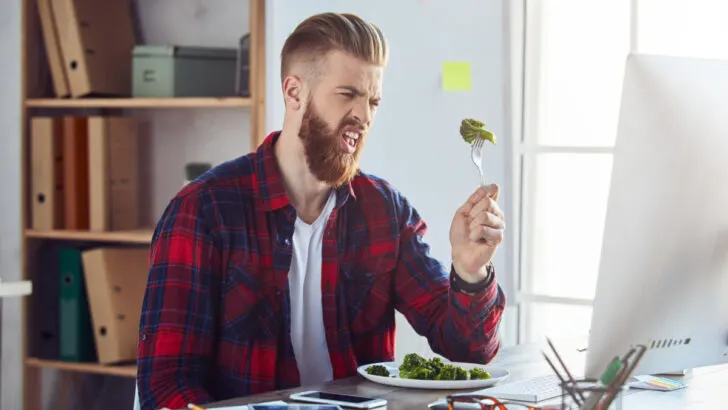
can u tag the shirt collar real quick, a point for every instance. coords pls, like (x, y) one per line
(269, 182)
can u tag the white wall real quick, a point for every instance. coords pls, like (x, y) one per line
(414, 142)
(9, 204)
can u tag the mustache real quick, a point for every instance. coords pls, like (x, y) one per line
(352, 122)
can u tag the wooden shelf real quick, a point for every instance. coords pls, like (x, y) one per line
(203, 102)
(125, 371)
(135, 236)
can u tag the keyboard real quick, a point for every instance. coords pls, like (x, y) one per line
(532, 390)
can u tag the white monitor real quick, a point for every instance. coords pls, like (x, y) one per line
(663, 273)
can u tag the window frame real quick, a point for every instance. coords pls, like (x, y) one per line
(522, 111)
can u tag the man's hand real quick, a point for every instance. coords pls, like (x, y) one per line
(475, 234)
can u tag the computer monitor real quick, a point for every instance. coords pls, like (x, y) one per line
(663, 272)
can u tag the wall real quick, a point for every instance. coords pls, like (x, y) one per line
(414, 142)
(9, 204)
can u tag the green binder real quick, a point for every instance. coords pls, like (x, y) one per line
(76, 333)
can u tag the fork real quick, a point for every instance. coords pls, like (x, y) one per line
(477, 157)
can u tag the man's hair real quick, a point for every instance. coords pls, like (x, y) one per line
(321, 33)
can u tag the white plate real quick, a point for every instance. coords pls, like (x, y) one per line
(498, 374)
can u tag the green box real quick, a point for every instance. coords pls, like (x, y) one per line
(180, 71)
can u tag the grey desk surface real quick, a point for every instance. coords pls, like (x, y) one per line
(707, 386)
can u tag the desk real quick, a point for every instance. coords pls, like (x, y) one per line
(706, 386)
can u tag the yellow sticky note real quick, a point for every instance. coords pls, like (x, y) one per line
(456, 76)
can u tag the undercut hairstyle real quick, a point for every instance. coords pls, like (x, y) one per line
(322, 33)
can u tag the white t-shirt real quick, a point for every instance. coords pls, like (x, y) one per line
(304, 280)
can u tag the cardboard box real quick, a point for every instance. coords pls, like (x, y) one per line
(175, 71)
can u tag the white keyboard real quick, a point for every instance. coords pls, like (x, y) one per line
(531, 390)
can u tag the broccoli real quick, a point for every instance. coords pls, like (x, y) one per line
(419, 373)
(417, 367)
(436, 364)
(477, 374)
(471, 129)
(378, 370)
(412, 361)
(452, 372)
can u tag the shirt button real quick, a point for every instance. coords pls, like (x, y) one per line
(287, 242)
(144, 336)
(279, 292)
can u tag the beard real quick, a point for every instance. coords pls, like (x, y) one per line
(326, 160)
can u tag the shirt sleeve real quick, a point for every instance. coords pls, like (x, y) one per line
(459, 326)
(174, 348)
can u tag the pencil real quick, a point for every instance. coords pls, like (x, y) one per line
(194, 407)
(566, 370)
(563, 381)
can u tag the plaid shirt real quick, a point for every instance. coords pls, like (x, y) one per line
(215, 320)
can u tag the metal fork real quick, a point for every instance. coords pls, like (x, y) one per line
(477, 157)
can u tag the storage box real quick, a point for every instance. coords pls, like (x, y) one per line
(177, 71)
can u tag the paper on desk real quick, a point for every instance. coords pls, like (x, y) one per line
(245, 407)
(656, 383)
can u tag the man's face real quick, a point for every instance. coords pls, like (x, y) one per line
(337, 116)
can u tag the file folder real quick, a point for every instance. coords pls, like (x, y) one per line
(46, 157)
(74, 317)
(44, 302)
(75, 173)
(113, 173)
(96, 41)
(116, 279)
(53, 49)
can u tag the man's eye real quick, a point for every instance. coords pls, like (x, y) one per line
(348, 95)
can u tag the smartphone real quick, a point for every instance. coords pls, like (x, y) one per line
(344, 400)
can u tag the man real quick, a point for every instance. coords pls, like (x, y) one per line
(285, 267)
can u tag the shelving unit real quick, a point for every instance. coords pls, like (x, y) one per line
(139, 236)
(36, 100)
(140, 103)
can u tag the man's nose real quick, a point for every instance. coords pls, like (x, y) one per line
(363, 113)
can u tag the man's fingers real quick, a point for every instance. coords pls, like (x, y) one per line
(467, 208)
(492, 191)
(486, 205)
(487, 219)
(481, 199)
(495, 209)
(491, 236)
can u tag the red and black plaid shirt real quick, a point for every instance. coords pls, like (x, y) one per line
(215, 320)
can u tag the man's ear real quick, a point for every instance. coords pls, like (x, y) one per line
(292, 88)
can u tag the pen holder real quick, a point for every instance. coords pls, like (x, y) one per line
(595, 396)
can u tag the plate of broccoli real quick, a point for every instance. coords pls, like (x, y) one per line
(418, 372)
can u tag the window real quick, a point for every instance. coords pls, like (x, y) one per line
(572, 63)
(693, 28)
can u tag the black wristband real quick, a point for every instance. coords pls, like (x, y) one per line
(460, 285)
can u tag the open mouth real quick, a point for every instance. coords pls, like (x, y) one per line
(351, 139)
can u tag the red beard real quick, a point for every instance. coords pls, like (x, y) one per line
(326, 161)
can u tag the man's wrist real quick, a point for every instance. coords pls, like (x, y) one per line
(461, 285)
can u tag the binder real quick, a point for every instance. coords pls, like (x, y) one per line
(46, 157)
(76, 338)
(44, 302)
(53, 49)
(96, 40)
(116, 279)
(75, 173)
(113, 173)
